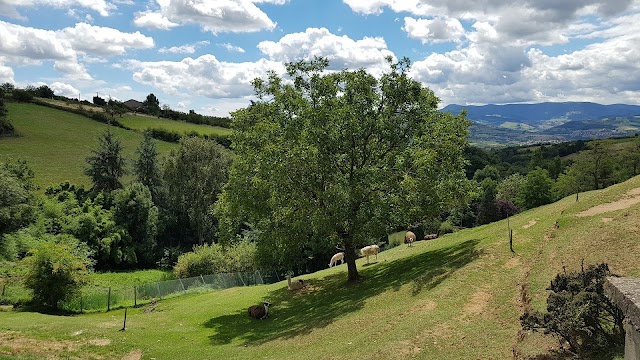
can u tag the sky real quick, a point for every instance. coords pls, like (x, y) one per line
(203, 54)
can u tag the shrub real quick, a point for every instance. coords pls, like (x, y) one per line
(579, 313)
(56, 272)
(446, 227)
(22, 95)
(212, 259)
(203, 260)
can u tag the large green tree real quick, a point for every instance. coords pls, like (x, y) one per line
(152, 104)
(146, 166)
(193, 177)
(340, 158)
(107, 164)
(536, 191)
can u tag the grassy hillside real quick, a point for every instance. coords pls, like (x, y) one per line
(56, 143)
(457, 297)
(142, 123)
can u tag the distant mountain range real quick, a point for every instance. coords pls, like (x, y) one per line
(512, 124)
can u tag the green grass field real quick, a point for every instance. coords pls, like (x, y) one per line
(56, 143)
(139, 122)
(456, 297)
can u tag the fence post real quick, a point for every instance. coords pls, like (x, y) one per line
(158, 287)
(511, 240)
(181, 284)
(4, 286)
(109, 301)
(135, 296)
(202, 278)
(81, 303)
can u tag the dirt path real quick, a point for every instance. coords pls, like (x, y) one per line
(629, 199)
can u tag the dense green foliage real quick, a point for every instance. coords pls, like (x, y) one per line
(107, 164)
(213, 259)
(579, 313)
(56, 271)
(134, 210)
(6, 127)
(193, 176)
(17, 204)
(146, 167)
(339, 159)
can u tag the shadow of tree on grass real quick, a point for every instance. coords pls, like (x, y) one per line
(294, 314)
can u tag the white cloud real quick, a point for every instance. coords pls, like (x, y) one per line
(73, 70)
(489, 72)
(105, 41)
(232, 48)
(214, 16)
(205, 76)
(434, 30)
(63, 89)
(153, 20)
(184, 49)
(30, 46)
(10, 7)
(6, 74)
(518, 22)
(342, 51)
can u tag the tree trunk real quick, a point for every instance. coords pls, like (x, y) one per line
(350, 258)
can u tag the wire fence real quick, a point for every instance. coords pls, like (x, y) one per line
(92, 298)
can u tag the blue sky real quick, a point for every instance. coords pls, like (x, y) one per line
(202, 54)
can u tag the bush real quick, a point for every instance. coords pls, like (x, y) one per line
(446, 227)
(579, 313)
(213, 259)
(56, 272)
(203, 260)
(21, 95)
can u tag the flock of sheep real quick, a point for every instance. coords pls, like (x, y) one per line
(262, 311)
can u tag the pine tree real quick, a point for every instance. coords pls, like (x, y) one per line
(107, 165)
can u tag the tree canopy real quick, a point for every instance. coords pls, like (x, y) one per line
(340, 158)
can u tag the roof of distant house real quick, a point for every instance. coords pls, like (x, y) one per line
(133, 104)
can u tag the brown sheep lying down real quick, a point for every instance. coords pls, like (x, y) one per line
(260, 311)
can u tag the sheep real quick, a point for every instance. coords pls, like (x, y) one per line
(370, 250)
(295, 285)
(409, 238)
(260, 311)
(335, 258)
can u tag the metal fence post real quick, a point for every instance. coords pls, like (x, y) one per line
(109, 300)
(135, 296)
(158, 287)
(4, 286)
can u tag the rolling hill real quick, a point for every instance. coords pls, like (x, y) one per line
(456, 297)
(56, 143)
(513, 124)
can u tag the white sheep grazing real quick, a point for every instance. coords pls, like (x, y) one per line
(260, 311)
(409, 238)
(335, 258)
(370, 250)
(295, 285)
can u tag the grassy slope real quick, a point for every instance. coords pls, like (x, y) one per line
(457, 297)
(56, 143)
(146, 122)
